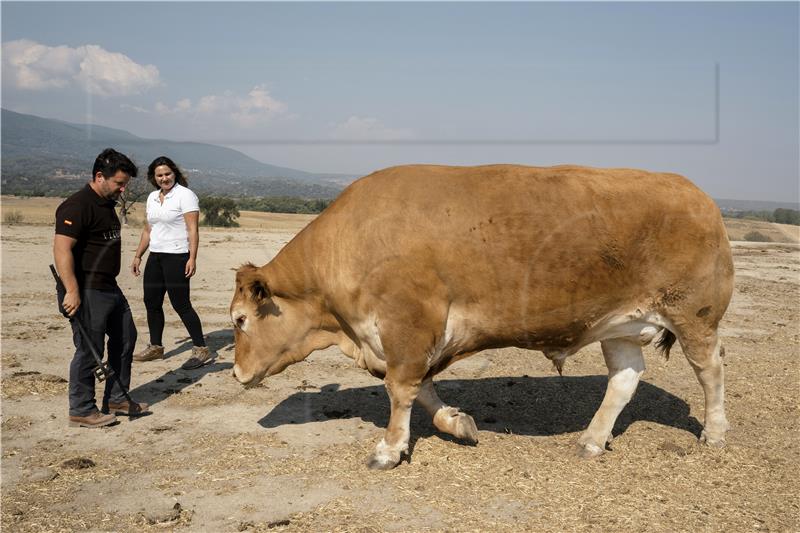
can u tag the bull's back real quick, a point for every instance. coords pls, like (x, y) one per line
(527, 247)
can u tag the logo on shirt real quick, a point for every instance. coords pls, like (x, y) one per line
(67, 222)
(112, 235)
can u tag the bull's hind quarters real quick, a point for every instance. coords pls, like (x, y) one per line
(415, 267)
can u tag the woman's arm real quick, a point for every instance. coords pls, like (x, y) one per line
(192, 219)
(144, 242)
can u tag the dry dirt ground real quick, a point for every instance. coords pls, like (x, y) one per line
(289, 455)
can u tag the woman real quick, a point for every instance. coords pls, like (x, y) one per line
(171, 234)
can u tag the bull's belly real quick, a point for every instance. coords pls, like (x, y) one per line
(465, 335)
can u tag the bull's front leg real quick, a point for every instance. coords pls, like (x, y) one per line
(447, 419)
(405, 340)
(389, 450)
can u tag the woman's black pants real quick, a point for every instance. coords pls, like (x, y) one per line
(164, 273)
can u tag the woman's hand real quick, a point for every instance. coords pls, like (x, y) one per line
(135, 266)
(191, 268)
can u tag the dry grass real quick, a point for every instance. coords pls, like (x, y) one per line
(738, 230)
(290, 455)
(24, 383)
(13, 217)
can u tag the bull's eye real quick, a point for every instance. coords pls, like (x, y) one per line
(240, 321)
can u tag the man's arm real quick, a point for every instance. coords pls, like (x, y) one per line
(65, 264)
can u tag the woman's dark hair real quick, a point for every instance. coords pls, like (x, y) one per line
(110, 161)
(164, 160)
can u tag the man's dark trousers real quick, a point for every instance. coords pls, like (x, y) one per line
(101, 312)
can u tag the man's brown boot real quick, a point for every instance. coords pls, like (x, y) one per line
(153, 351)
(93, 420)
(127, 409)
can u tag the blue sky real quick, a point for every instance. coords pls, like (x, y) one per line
(353, 87)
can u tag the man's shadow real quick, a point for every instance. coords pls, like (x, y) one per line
(174, 381)
(539, 406)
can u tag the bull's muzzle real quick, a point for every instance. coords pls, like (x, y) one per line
(241, 376)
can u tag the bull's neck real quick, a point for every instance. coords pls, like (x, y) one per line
(291, 274)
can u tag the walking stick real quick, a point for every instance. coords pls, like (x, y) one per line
(103, 370)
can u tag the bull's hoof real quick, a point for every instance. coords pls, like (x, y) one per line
(588, 450)
(453, 422)
(384, 457)
(466, 429)
(382, 462)
(712, 441)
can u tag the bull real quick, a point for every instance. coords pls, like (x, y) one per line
(413, 268)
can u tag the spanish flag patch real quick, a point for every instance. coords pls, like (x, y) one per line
(67, 222)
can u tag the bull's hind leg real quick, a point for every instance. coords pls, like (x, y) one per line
(704, 354)
(625, 366)
(447, 419)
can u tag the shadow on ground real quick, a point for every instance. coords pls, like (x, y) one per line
(174, 381)
(216, 341)
(537, 406)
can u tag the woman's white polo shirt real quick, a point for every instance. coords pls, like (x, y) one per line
(168, 233)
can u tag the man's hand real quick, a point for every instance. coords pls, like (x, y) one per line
(65, 265)
(71, 303)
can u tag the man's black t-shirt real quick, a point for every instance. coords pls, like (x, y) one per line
(91, 220)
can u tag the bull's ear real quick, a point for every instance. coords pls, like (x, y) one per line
(259, 291)
(250, 279)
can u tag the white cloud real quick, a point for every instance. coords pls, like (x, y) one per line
(244, 110)
(34, 66)
(257, 104)
(183, 105)
(135, 108)
(368, 129)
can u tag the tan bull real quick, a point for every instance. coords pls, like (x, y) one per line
(415, 267)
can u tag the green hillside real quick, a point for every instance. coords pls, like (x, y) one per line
(47, 157)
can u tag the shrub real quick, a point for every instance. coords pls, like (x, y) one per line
(283, 204)
(757, 236)
(787, 216)
(219, 211)
(13, 217)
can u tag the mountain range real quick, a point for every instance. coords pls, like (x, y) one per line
(47, 156)
(42, 156)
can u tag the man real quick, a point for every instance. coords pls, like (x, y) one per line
(87, 251)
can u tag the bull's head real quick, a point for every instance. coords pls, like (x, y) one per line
(271, 329)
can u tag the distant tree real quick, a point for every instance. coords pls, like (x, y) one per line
(787, 216)
(136, 190)
(283, 204)
(219, 211)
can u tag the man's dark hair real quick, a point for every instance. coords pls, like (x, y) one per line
(110, 161)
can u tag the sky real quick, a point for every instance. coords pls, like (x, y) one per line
(707, 90)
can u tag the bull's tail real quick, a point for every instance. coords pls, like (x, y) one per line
(665, 342)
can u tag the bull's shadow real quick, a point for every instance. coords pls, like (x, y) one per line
(537, 406)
